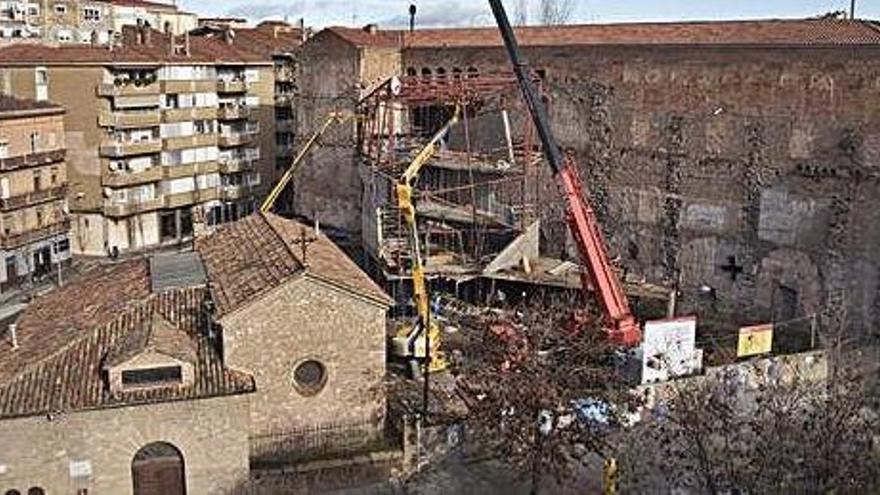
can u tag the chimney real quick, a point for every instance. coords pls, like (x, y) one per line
(412, 17)
(146, 35)
(302, 29)
(228, 36)
(13, 336)
(371, 28)
(186, 43)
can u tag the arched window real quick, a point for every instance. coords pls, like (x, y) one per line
(426, 72)
(472, 72)
(456, 72)
(36, 490)
(13, 492)
(441, 72)
(158, 468)
(411, 71)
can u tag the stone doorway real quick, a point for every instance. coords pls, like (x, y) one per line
(158, 468)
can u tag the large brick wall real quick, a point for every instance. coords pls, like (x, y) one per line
(211, 434)
(696, 155)
(308, 319)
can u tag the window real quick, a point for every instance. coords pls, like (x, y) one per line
(37, 184)
(35, 490)
(4, 149)
(309, 377)
(33, 9)
(60, 9)
(64, 36)
(40, 215)
(13, 492)
(53, 176)
(152, 376)
(167, 225)
(91, 14)
(62, 246)
(35, 142)
(41, 76)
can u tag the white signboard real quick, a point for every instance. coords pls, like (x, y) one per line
(669, 349)
(80, 469)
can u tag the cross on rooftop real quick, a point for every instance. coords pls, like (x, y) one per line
(304, 240)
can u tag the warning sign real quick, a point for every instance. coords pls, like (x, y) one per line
(755, 340)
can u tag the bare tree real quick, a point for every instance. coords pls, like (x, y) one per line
(521, 13)
(805, 437)
(556, 12)
(543, 396)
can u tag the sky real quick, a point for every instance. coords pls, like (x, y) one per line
(447, 13)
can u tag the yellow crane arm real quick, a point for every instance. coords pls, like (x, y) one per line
(334, 118)
(405, 203)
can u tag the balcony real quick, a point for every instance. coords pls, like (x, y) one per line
(283, 100)
(191, 86)
(190, 197)
(233, 113)
(133, 207)
(232, 86)
(32, 160)
(189, 169)
(122, 149)
(232, 193)
(188, 114)
(285, 150)
(122, 179)
(194, 141)
(128, 119)
(113, 90)
(33, 198)
(285, 125)
(18, 239)
(235, 165)
(285, 75)
(236, 139)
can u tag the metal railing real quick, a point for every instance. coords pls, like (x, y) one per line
(323, 442)
(32, 159)
(33, 198)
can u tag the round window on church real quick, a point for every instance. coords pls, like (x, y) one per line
(309, 377)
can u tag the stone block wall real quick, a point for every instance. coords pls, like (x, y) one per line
(750, 170)
(53, 451)
(307, 319)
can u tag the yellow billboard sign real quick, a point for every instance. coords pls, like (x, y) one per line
(755, 340)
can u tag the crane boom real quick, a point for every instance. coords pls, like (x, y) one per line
(581, 219)
(269, 202)
(423, 339)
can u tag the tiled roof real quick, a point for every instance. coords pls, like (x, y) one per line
(360, 37)
(157, 51)
(757, 32)
(51, 322)
(71, 378)
(143, 3)
(246, 258)
(12, 104)
(326, 261)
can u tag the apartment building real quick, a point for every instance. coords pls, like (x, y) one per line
(86, 21)
(278, 42)
(33, 191)
(160, 129)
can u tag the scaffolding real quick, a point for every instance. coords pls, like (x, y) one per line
(474, 197)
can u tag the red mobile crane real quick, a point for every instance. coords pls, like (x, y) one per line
(623, 329)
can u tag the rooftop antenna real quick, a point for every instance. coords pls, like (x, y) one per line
(412, 17)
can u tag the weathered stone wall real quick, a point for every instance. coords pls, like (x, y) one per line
(308, 319)
(211, 434)
(326, 186)
(696, 157)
